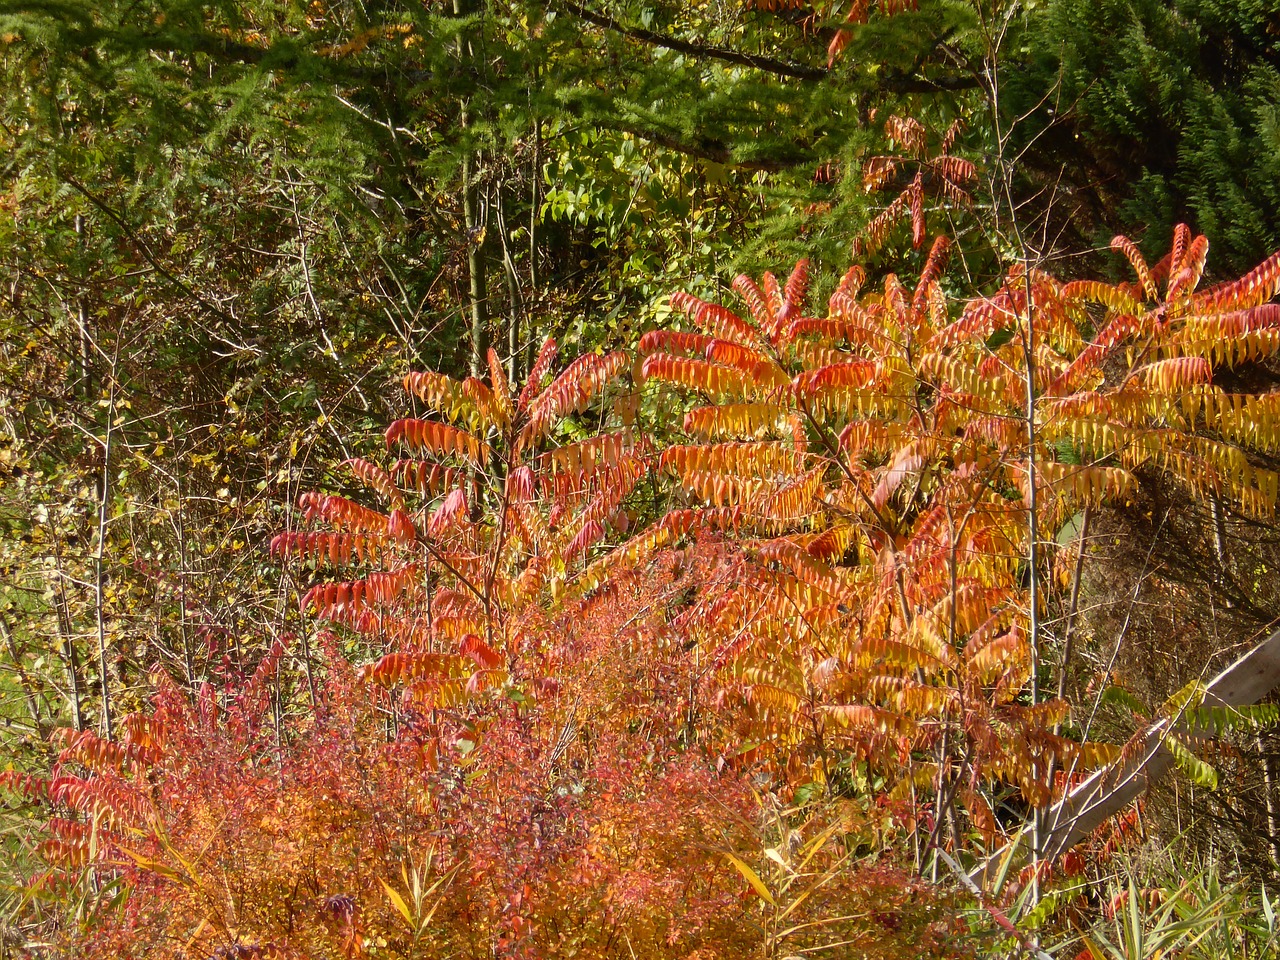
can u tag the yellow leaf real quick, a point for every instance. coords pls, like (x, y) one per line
(752, 878)
(397, 901)
(155, 866)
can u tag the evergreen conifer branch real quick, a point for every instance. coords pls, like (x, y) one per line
(282, 55)
(781, 68)
(717, 151)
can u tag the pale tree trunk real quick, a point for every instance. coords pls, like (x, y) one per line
(473, 213)
(479, 293)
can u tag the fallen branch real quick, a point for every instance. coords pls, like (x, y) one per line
(1111, 789)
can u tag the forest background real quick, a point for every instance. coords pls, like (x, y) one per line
(230, 231)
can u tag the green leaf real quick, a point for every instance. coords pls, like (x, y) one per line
(1200, 773)
(1218, 720)
(1070, 530)
(1188, 697)
(999, 338)
(1120, 697)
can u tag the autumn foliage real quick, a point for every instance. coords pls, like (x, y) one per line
(571, 825)
(877, 470)
(589, 689)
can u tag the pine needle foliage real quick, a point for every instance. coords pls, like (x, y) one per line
(1169, 110)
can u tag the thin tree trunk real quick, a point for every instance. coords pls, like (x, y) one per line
(535, 216)
(24, 681)
(472, 213)
(1073, 606)
(84, 373)
(68, 641)
(104, 507)
(475, 265)
(515, 302)
(513, 325)
(184, 572)
(1269, 801)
